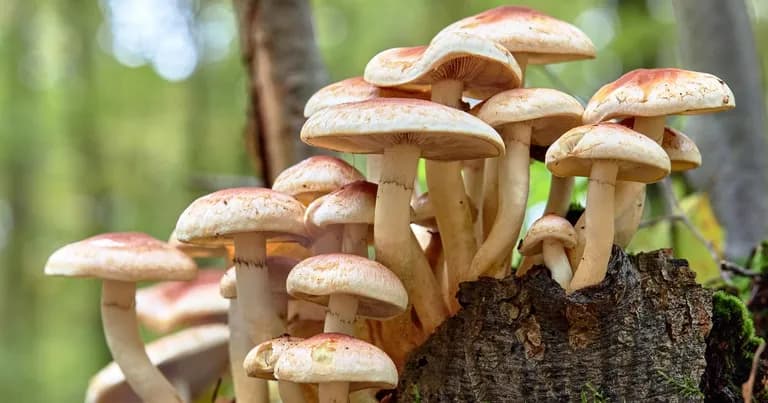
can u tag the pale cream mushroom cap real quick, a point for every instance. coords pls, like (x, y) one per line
(379, 292)
(316, 176)
(353, 203)
(200, 251)
(639, 159)
(217, 217)
(198, 355)
(279, 268)
(542, 38)
(334, 357)
(659, 92)
(121, 256)
(550, 226)
(260, 361)
(550, 112)
(356, 89)
(369, 127)
(682, 151)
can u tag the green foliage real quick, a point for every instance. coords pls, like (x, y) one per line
(686, 387)
(590, 394)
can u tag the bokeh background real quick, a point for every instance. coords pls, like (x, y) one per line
(115, 114)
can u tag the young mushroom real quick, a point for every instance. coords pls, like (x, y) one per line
(550, 235)
(192, 359)
(605, 153)
(121, 260)
(338, 364)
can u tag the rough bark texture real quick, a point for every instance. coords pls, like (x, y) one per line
(284, 68)
(716, 37)
(638, 336)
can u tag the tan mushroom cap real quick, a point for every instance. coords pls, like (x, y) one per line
(550, 226)
(639, 159)
(542, 38)
(216, 217)
(197, 355)
(356, 89)
(380, 294)
(334, 357)
(369, 127)
(316, 176)
(121, 256)
(550, 112)
(353, 203)
(659, 92)
(682, 151)
(200, 251)
(279, 268)
(165, 306)
(260, 361)
(484, 66)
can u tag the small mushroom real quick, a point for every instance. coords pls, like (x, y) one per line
(260, 363)
(550, 235)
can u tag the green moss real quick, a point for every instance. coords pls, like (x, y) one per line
(415, 394)
(590, 394)
(730, 309)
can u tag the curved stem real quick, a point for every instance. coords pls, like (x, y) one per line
(246, 389)
(355, 240)
(373, 167)
(290, 392)
(333, 392)
(473, 171)
(559, 198)
(513, 197)
(340, 316)
(630, 201)
(652, 127)
(599, 225)
(394, 247)
(329, 241)
(121, 330)
(183, 388)
(253, 290)
(490, 195)
(557, 262)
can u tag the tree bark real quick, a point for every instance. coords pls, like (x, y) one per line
(716, 37)
(638, 336)
(284, 68)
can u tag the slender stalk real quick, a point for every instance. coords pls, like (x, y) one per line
(559, 199)
(513, 197)
(329, 241)
(394, 248)
(182, 386)
(473, 171)
(490, 195)
(121, 330)
(247, 389)
(355, 240)
(373, 167)
(341, 314)
(653, 127)
(599, 225)
(290, 392)
(333, 392)
(557, 262)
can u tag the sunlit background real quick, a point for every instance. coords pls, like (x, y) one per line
(115, 114)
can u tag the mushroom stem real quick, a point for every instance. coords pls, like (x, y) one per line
(557, 262)
(394, 247)
(290, 392)
(373, 167)
(490, 195)
(473, 185)
(183, 388)
(333, 392)
(599, 225)
(355, 240)
(652, 127)
(246, 389)
(340, 316)
(329, 241)
(253, 291)
(121, 330)
(630, 201)
(513, 196)
(559, 198)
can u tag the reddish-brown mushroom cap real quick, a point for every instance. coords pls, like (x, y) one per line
(356, 89)
(682, 151)
(316, 176)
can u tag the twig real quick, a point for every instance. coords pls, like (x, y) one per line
(736, 269)
(656, 220)
(216, 390)
(746, 388)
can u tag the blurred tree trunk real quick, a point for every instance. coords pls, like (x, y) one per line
(284, 68)
(716, 37)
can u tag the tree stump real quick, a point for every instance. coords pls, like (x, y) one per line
(641, 335)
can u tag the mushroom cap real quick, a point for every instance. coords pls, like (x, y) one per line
(121, 256)
(197, 355)
(165, 306)
(379, 292)
(659, 92)
(369, 127)
(550, 112)
(260, 361)
(544, 39)
(682, 151)
(200, 251)
(354, 203)
(356, 89)
(550, 226)
(484, 66)
(334, 357)
(639, 159)
(278, 266)
(288, 249)
(217, 217)
(315, 176)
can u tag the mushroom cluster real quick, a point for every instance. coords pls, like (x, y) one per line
(336, 276)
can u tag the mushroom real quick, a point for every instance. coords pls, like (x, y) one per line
(452, 64)
(199, 251)
(550, 235)
(349, 286)
(338, 364)
(165, 306)
(247, 217)
(192, 359)
(522, 116)
(121, 260)
(403, 130)
(260, 363)
(604, 152)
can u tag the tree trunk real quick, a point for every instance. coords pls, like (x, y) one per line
(638, 336)
(284, 68)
